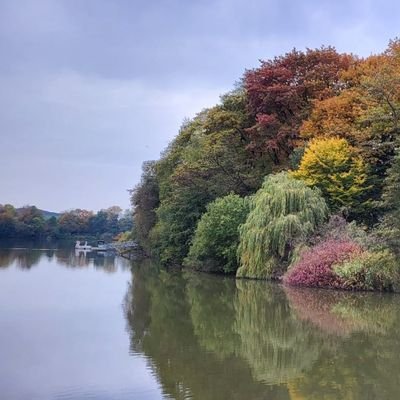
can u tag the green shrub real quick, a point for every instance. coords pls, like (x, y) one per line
(351, 273)
(370, 271)
(216, 238)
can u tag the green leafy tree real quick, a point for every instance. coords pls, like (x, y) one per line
(51, 226)
(125, 222)
(216, 238)
(145, 200)
(98, 222)
(30, 221)
(207, 160)
(390, 228)
(113, 213)
(171, 214)
(220, 147)
(177, 219)
(283, 212)
(7, 220)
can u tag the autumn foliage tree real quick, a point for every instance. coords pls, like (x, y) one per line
(75, 221)
(281, 93)
(365, 113)
(334, 167)
(342, 116)
(333, 118)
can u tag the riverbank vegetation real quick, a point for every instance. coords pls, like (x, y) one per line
(294, 175)
(30, 222)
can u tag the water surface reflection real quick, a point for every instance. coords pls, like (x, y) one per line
(62, 329)
(209, 337)
(80, 325)
(26, 258)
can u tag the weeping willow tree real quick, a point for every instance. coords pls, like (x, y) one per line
(283, 213)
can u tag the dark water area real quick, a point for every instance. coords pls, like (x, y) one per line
(84, 326)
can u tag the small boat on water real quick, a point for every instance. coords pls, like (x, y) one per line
(101, 246)
(79, 246)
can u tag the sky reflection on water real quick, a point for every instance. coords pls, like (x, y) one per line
(77, 326)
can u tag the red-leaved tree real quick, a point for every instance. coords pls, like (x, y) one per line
(280, 94)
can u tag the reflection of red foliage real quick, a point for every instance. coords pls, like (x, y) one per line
(313, 306)
(315, 266)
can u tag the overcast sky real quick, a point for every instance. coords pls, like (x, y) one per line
(92, 88)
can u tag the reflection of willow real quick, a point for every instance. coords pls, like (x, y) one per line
(276, 345)
(252, 320)
(177, 322)
(159, 318)
(342, 313)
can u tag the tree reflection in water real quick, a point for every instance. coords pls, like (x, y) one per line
(343, 313)
(207, 337)
(365, 364)
(158, 307)
(276, 345)
(98, 260)
(26, 258)
(21, 258)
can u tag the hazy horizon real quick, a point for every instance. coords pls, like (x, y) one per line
(92, 89)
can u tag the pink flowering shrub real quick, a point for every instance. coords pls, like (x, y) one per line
(315, 266)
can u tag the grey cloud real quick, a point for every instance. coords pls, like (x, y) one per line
(92, 88)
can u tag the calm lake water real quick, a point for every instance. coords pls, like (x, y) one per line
(75, 326)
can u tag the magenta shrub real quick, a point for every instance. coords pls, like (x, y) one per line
(315, 267)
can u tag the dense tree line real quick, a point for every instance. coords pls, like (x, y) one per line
(304, 136)
(30, 222)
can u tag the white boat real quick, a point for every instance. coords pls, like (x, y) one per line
(79, 246)
(101, 246)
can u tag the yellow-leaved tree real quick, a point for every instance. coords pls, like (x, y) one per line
(335, 167)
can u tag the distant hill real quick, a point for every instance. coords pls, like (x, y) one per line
(49, 214)
(46, 214)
